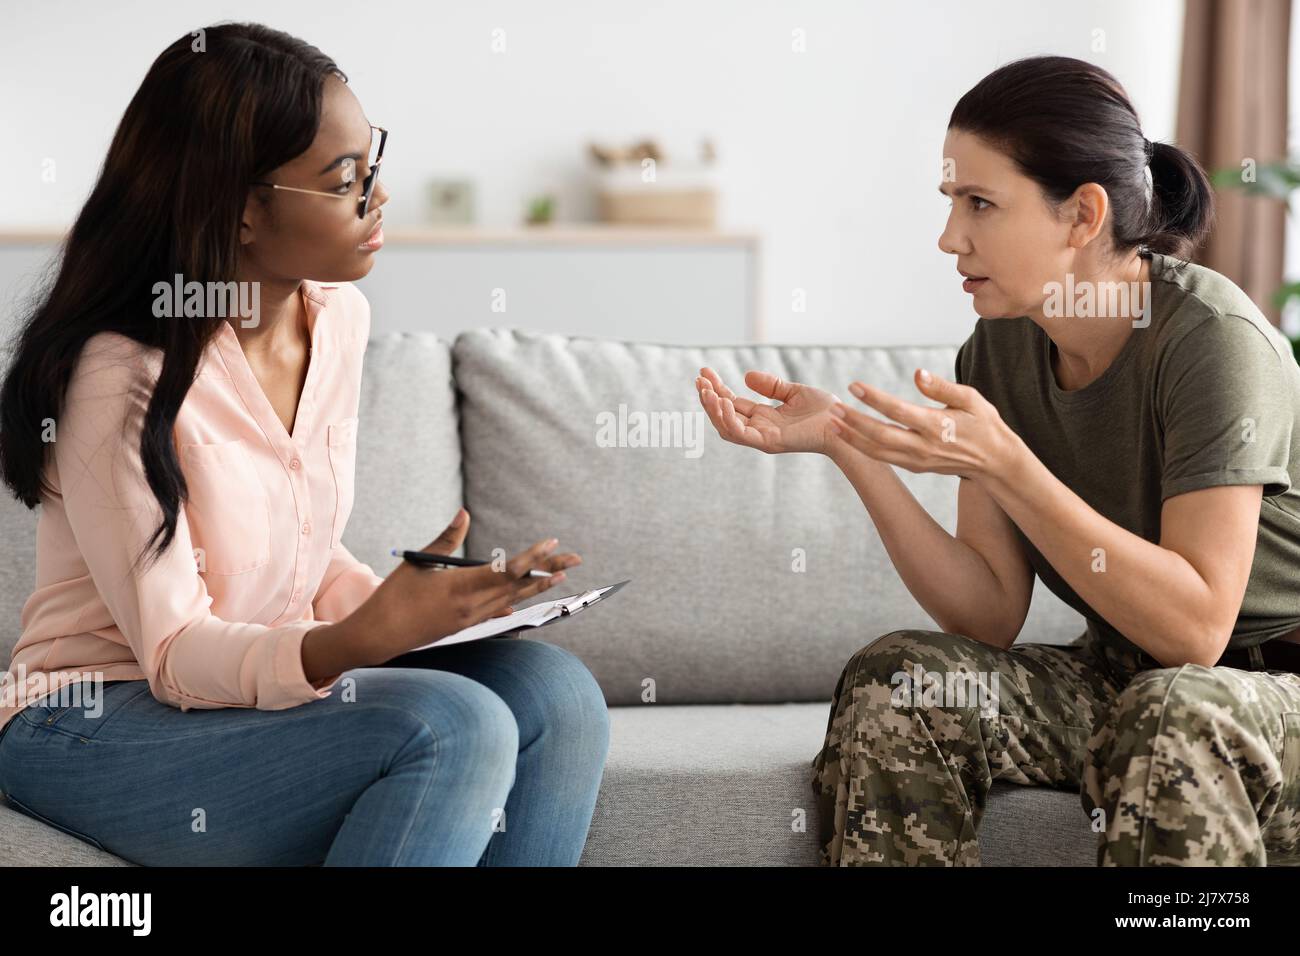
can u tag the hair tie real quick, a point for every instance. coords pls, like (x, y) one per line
(1149, 148)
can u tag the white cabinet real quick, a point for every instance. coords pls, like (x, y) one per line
(671, 286)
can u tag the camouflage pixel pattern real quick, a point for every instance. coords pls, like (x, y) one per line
(1185, 765)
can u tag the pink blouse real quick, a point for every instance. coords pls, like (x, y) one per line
(258, 559)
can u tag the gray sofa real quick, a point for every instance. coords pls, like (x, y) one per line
(718, 660)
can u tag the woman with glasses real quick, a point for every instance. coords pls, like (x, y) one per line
(206, 675)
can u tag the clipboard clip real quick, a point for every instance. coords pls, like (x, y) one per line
(579, 601)
(576, 604)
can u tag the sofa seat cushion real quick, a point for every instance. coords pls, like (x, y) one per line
(704, 785)
(722, 784)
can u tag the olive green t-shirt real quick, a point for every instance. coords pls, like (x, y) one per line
(1207, 393)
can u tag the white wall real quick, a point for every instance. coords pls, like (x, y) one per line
(831, 155)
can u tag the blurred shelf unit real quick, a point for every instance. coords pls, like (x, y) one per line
(673, 285)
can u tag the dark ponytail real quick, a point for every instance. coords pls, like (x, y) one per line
(218, 109)
(1066, 122)
(1183, 209)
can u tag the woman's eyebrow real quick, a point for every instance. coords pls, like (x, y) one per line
(355, 157)
(960, 191)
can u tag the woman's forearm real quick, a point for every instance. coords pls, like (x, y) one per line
(328, 650)
(1150, 594)
(334, 648)
(949, 579)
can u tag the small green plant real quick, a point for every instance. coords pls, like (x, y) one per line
(541, 210)
(1272, 181)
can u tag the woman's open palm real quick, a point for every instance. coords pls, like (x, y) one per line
(800, 423)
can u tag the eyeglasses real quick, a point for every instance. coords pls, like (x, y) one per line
(367, 184)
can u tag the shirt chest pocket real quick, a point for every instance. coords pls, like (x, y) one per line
(343, 460)
(228, 511)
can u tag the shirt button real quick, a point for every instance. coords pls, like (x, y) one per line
(296, 595)
(294, 463)
(306, 527)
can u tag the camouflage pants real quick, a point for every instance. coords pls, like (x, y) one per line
(1185, 765)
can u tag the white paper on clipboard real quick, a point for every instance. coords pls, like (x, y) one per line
(537, 615)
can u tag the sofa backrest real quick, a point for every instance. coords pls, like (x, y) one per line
(718, 609)
(17, 569)
(408, 448)
(753, 577)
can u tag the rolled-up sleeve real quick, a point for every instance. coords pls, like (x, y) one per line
(347, 584)
(162, 608)
(1223, 403)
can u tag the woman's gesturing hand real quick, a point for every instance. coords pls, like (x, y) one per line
(966, 437)
(417, 605)
(802, 421)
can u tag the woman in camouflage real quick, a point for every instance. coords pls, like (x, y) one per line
(1152, 482)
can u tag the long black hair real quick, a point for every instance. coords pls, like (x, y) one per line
(219, 108)
(1066, 122)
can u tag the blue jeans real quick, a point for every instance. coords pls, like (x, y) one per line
(484, 753)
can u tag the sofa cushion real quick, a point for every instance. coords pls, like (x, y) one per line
(408, 448)
(26, 841)
(711, 535)
(701, 785)
(732, 786)
(17, 569)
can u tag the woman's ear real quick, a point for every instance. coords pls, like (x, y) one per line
(249, 220)
(257, 221)
(1088, 207)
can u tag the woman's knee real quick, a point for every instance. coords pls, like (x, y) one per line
(905, 654)
(570, 694)
(944, 678)
(1191, 700)
(429, 710)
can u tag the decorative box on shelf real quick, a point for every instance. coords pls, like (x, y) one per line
(659, 194)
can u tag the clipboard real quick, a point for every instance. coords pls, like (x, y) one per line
(530, 618)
